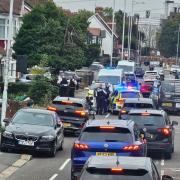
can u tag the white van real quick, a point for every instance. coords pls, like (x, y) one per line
(127, 66)
(111, 76)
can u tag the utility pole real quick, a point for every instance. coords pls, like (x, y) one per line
(112, 38)
(124, 21)
(6, 63)
(129, 29)
(177, 56)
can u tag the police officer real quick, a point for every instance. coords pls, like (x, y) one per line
(72, 87)
(63, 89)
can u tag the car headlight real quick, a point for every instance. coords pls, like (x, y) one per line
(7, 134)
(47, 138)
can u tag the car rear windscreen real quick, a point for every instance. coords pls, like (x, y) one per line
(106, 135)
(147, 120)
(107, 175)
(138, 105)
(67, 105)
(130, 95)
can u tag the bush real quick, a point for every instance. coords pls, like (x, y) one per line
(42, 91)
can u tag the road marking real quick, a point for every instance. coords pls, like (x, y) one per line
(1, 153)
(156, 162)
(162, 172)
(64, 164)
(107, 115)
(53, 177)
(162, 162)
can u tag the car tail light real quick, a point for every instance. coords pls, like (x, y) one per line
(121, 101)
(51, 108)
(81, 147)
(80, 112)
(107, 127)
(131, 148)
(123, 111)
(145, 114)
(116, 170)
(165, 131)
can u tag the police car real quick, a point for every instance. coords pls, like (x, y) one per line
(120, 94)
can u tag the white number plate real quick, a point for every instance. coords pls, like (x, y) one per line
(26, 143)
(178, 105)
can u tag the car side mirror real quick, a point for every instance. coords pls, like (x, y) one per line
(6, 121)
(174, 123)
(166, 177)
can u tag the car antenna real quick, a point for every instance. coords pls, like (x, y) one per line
(108, 123)
(117, 161)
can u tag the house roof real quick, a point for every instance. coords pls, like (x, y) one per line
(94, 31)
(102, 21)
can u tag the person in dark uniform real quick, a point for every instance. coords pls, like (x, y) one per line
(72, 87)
(63, 89)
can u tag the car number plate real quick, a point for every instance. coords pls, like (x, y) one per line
(167, 104)
(178, 105)
(105, 154)
(26, 143)
(67, 124)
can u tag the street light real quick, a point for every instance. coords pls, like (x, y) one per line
(6, 64)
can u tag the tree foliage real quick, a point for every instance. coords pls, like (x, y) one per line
(168, 37)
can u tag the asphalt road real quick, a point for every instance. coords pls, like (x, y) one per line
(58, 168)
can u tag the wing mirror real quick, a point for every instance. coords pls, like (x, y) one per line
(6, 121)
(166, 177)
(174, 123)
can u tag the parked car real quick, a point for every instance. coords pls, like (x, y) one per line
(121, 168)
(33, 129)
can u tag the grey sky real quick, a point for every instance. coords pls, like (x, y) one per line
(156, 6)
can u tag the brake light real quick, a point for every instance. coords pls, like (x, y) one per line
(165, 131)
(107, 127)
(81, 147)
(67, 102)
(51, 108)
(117, 170)
(123, 111)
(145, 114)
(82, 113)
(131, 148)
(120, 101)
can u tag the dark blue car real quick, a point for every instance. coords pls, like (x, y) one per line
(106, 138)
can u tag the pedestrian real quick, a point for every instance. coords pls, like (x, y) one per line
(72, 87)
(63, 89)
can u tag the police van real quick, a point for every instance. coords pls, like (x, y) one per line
(127, 66)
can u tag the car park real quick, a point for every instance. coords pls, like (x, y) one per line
(159, 130)
(33, 129)
(106, 138)
(73, 112)
(135, 103)
(121, 168)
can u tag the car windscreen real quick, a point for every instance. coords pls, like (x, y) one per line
(125, 68)
(33, 118)
(170, 86)
(110, 79)
(62, 105)
(106, 135)
(149, 82)
(139, 105)
(130, 95)
(147, 120)
(91, 175)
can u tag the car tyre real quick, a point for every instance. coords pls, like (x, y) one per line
(168, 155)
(53, 151)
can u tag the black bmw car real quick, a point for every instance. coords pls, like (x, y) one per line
(33, 129)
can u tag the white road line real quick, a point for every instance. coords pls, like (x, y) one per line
(53, 177)
(156, 162)
(162, 162)
(1, 153)
(64, 164)
(107, 115)
(162, 172)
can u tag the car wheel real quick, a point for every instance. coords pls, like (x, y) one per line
(52, 153)
(168, 155)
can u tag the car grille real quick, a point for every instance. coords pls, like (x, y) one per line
(26, 137)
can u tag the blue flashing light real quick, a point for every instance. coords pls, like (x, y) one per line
(127, 87)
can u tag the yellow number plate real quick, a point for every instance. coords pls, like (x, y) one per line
(105, 154)
(167, 104)
(67, 124)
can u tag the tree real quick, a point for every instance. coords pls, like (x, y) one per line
(168, 37)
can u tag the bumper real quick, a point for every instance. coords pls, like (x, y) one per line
(157, 146)
(38, 146)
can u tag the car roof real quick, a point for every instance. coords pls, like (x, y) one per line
(124, 162)
(151, 111)
(139, 100)
(117, 123)
(34, 110)
(126, 62)
(74, 100)
(110, 72)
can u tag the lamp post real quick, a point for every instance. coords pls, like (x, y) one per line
(6, 63)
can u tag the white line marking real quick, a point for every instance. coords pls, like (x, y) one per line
(53, 177)
(107, 115)
(162, 172)
(64, 164)
(1, 153)
(162, 162)
(156, 162)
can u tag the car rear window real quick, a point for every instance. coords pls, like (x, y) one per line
(68, 105)
(102, 135)
(105, 175)
(138, 105)
(130, 95)
(148, 120)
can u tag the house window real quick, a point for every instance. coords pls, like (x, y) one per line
(2, 28)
